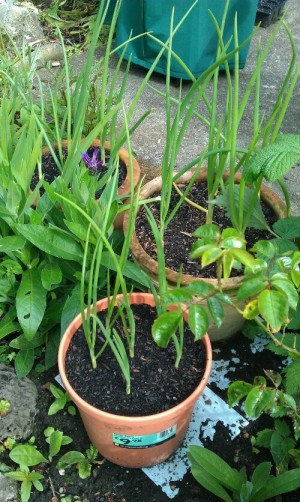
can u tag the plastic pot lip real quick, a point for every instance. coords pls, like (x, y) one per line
(122, 419)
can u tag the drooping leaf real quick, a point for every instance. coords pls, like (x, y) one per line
(198, 321)
(31, 302)
(284, 483)
(258, 399)
(165, 326)
(216, 310)
(237, 390)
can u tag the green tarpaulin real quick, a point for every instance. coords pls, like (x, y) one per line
(196, 40)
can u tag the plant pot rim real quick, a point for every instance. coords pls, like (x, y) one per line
(124, 157)
(123, 419)
(150, 265)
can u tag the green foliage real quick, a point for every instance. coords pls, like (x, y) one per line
(62, 400)
(82, 461)
(4, 407)
(228, 484)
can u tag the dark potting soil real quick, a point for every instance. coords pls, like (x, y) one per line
(178, 238)
(156, 385)
(51, 171)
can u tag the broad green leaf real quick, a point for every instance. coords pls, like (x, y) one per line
(51, 274)
(57, 405)
(198, 249)
(209, 231)
(211, 256)
(25, 490)
(209, 482)
(216, 310)
(71, 308)
(288, 289)
(84, 469)
(56, 391)
(284, 483)
(72, 457)
(11, 243)
(31, 302)
(260, 475)
(165, 326)
(8, 324)
(265, 248)
(237, 390)
(210, 462)
(274, 376)
(52, 241)
(55, 441)
(16, 475)
(36, 483)
(198, 321)
(24, 362)
(258, 400)
(233, 243)
(21, 342)
(175, 296)
(263, 438)
(273, 307)
(288, 228)
(292, 373)
(200, 288)
(26, 455)
(243, 257)
(251, 287)
(282, 427)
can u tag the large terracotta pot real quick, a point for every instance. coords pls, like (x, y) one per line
(163, 431)
(233, 321)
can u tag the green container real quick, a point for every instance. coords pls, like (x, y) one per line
(110, 11)
(196, 40)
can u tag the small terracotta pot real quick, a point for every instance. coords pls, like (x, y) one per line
(233, 321)
(124, 189)
(102, 427)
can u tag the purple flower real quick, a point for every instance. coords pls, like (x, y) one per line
(92, 161)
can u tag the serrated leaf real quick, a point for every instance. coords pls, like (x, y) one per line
(273, 307)
(237, 391)
(263, 438)
(292, 374)
(288, 228)
(258, 400)
(250, 287)
(198, 321)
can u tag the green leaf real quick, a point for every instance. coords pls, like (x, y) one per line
(51, 274)
(209, 231)
(211, 256)
(30, 302)
(57, 406)
(198, 321)
(258, 400)
(284, 483)
(56, 391)
(52, 241)
(26, 455)
(292, 373)
(251, 310)
(200, 288)
(237, 390)
(84, 469)
(288, 289)
(210, 462)
(260, 475)
(24, 362)
(288, 228)
(251, 287)
(175, 296)
(263, 438)
(25, 490)
(216, 310)
(279, 449)
(273, 307)
(243, 257)
(165, 326)
(55, 442)
(209, 482)
(72, 457)
(11, 243)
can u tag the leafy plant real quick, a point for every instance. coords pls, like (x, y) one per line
(82, 461)
(62, 400)
(4, 407)
(228, 484)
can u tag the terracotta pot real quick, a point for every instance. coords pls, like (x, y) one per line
(124, 189)
(233, 321)
(102, 427)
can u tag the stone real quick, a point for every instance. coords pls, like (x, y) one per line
(8, 489)
(22, 395)
(21, 23)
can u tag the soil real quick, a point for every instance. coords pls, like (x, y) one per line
(51, 171)
(149, 364)
(183, 224)
(111, 483)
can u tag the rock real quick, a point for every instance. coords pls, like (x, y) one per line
(21, 22)
(22, 394)
(8, 489)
